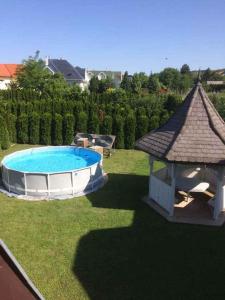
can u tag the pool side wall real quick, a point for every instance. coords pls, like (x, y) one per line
(75, 182)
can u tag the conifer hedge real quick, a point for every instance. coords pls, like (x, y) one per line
(30, 118)
(22, 129)
(82, 119)
(106, 127)
(34, 128)
(11, 125)
(142, 126)
(129, 128)
(57, 127)
(93, 123)
(4, 135)
(68, 129)
(45, 129)
(119, 131)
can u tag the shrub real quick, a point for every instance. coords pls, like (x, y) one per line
(34, 128)
(22, 129)
(68, 129)
(57, 127)
(45, 129)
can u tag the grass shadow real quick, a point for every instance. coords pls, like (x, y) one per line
(151, 259)
(120, 192)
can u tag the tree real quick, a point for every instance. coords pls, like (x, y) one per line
(68, 129)
(185, 69)
(129, 128)
(57, 128)
(136, 84)
(185, 82)
(34, 128)
(211, 75)
(22, 129)
(105, 84)
(170, 78)
(94, 85)
(143, 79)
(172, 102)
(33, 75)
(45, 129)
(55, 87)
(153, 84)
(126, 82)
(75, 92)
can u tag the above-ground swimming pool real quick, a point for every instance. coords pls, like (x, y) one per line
(53, 171)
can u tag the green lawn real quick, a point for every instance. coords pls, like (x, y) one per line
(110, 245)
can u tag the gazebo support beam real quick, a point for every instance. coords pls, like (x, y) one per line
(219, 198)
(151, 165)
(173, 187)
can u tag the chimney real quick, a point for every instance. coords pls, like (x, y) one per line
(46, 60)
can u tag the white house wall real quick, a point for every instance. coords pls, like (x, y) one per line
(4, 83)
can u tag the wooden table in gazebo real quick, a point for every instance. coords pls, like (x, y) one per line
(192, 146)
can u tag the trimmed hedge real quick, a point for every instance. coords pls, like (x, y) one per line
(81, 125)
(93, 123)
(119, 132)
(34, 128)
(4, 135)
(56, 120)
(68, 129)
(106, 127)
(45, 129)
(22, 129)
(130, 124)
(57, 127)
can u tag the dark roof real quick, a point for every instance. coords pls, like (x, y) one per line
(80, 70)
(194, 134)
(64, 67)
(14, 283)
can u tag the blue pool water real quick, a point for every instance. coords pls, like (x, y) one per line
(51, 159)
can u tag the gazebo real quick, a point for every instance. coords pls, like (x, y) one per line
(190, 186)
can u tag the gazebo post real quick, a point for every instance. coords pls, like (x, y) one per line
(173, 187)
(219, 198)
(151, 164)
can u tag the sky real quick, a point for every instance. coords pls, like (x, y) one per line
(132, 35)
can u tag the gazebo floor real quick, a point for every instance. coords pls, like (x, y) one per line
(194, 211)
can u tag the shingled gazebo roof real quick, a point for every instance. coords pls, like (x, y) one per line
(194, 134)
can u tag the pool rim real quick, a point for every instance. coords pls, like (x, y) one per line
(52, 172)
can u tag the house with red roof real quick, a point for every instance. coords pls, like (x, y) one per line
(8, 74)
